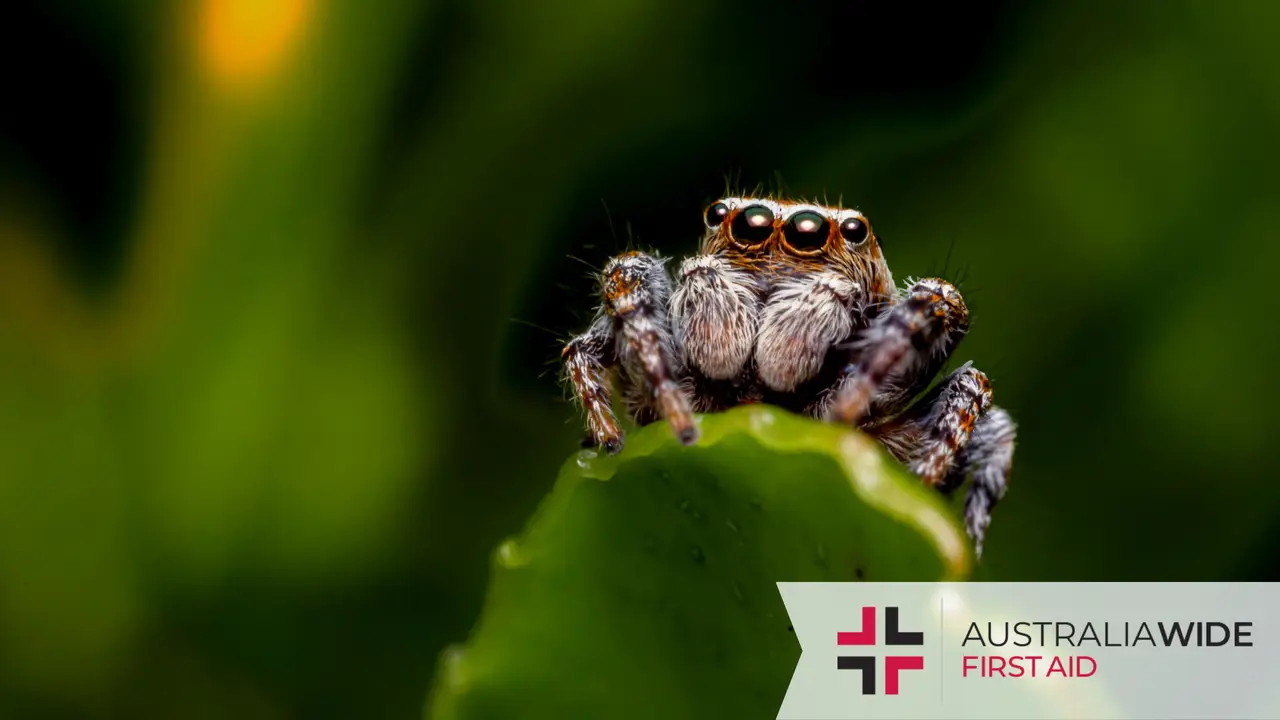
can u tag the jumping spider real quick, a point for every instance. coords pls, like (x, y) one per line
(792, 304)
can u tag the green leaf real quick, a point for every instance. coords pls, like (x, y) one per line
(645, 584)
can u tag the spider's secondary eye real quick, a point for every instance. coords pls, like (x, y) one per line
(807, 231)
(753, 225)
(854, 231)
(716, 214)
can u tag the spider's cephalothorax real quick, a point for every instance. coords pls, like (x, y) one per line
(792, 304)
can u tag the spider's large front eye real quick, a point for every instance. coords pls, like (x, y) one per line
(716, 214)
(854, 231)
(807, 231)
(753, 225)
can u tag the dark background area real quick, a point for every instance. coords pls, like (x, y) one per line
(283, 286)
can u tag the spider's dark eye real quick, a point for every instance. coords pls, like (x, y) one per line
(854, 231)
(716, 214)
(807, 231)
(753, 225)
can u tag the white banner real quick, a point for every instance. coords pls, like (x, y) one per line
(1123, 651)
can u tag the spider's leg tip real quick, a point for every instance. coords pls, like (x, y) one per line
(613, 446)
(687, 435)
(840, 416)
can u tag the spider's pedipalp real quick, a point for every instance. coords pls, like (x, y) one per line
(714, 314)
(901, 349)
(804, 318)
(636, 292)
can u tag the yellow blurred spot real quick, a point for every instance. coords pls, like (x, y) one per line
(243, 42)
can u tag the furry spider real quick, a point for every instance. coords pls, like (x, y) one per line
(792, 304)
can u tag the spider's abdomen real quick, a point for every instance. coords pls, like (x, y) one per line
(804, 316)
(714, 315)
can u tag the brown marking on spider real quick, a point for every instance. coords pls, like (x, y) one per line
(793, 304)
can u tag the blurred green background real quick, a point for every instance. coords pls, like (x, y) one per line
(283, 283)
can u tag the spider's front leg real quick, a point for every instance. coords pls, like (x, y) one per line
(587, 359)
(901, 352)
(952, 432)
(636, 291)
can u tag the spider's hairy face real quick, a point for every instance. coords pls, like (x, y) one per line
(779, 237)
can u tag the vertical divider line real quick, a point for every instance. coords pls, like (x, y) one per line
(942, 600)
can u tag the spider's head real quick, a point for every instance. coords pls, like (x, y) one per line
(760, 231)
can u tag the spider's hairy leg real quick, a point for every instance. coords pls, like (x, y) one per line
(989, 458)
(636, 293)
(952, 432)
(900, 348)
(587, 359)
(962, 398)
(714, 312)
(929, 436)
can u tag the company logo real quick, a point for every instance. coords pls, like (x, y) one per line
(894, 636)
(1001, 649)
